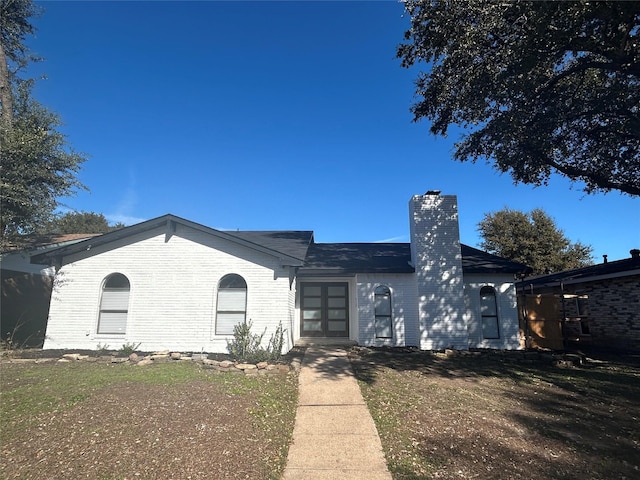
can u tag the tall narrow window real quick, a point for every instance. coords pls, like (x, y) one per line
(114, 305)
(489, 312)
(383, 312)
(232, 303)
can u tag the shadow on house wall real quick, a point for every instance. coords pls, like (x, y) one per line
(24, 308)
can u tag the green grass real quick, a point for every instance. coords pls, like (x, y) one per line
(29, 390)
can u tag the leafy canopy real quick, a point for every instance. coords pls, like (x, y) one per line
(538, 87)
(80, 222)
(38, 167)
(533, 239)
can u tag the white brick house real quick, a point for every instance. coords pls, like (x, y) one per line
(169, 283)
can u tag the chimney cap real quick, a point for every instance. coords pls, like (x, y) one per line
(432, 192)
(635, 253)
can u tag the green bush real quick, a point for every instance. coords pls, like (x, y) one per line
(247, 346)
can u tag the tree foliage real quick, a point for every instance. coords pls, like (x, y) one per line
(38, 166)
(80, 222)
(533, 239)
(538, 87)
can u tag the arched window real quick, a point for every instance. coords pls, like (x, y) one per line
(114, 305)
(382, 301)
(489, 312)
(231, 307)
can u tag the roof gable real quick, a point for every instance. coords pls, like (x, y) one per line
(288, 246)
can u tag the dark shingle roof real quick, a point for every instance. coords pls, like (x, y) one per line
(293, 243)
(617, 268)
(349, 258)
(477, 261)
(298, 249)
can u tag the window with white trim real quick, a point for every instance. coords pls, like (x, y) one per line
(489, 313)
(231, 307)
(382, 302)
(114, 305)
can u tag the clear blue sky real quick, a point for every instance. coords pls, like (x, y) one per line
(271, 115)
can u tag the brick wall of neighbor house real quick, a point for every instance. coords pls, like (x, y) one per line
(435, 252)
(403, 309)
(172, 303)
(507, 310)
(613, 311)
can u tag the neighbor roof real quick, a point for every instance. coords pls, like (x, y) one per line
(614, 269)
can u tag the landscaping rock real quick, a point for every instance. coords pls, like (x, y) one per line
(226, 364)
(175, 355)
(144, 361)
(262, 365)
(119, 359)
(246, 366)
(71, 356)
(206, 361)
(134, 357)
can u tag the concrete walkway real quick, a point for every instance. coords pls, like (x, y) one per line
(334, 436)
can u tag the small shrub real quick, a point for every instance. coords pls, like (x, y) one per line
(276, 343)
(247, 346)
(102, 349)
(128, 348)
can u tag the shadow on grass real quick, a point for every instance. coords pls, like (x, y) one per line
(584, 416)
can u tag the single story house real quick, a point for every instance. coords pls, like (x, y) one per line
(169, 283)
(598, 306)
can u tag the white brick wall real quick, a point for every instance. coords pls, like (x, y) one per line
(435, 249)
(507, 310)
(403, 309)
(173, 292)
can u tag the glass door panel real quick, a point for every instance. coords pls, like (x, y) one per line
(324, 309)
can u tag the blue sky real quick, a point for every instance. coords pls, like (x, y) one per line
(272, 115)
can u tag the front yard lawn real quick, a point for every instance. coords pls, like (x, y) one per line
(169, 420)
(502, 416)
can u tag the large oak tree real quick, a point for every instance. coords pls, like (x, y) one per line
(538, 87)
(533, 239)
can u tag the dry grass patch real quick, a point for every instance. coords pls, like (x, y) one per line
(103, 421)
(489, 416)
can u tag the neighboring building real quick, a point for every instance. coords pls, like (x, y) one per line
(26, 289)
(597, 305)
(169, 283)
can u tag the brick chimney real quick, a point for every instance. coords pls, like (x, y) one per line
(436, 256)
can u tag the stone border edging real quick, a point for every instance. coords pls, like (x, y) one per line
(260, 368)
